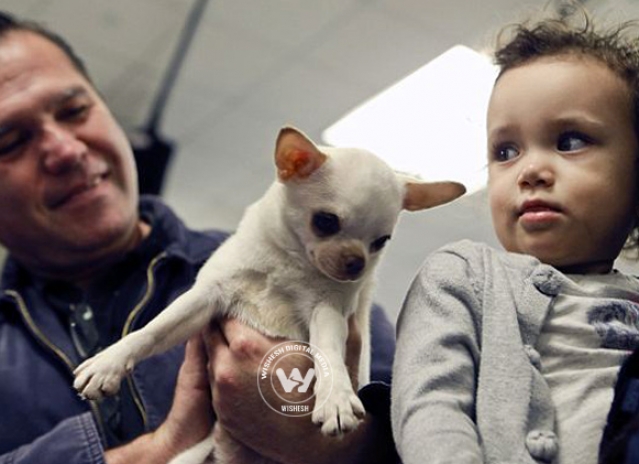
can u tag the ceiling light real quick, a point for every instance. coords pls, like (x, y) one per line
(431, 123)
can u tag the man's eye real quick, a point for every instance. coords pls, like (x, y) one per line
(11, 140)
(379, 243)
(572, 141)
(325, 224)
(73, 112)
(505, 152)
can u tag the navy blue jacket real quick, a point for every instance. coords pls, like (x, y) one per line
(42, 419)
(620, 442)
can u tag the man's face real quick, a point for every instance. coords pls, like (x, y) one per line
(68, 187)
(563, 162)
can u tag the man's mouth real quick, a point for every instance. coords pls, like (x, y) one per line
(60, 196)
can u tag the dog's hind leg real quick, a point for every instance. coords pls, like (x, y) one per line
(202, 453)
(220, 448)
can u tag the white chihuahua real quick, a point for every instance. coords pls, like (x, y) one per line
(300, 263)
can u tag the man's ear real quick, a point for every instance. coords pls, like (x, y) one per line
(296, 156)
(423, 195)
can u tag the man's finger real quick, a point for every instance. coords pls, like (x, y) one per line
(193, 369)
(216, 345)
(244, 342)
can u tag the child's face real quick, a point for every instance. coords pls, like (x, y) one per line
(562, 157)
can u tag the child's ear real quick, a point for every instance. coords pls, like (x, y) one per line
(422, 195)
(296, 156)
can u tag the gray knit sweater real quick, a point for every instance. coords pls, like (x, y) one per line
(466, 385)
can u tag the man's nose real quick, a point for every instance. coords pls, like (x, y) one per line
(536, 171)
(61, 150)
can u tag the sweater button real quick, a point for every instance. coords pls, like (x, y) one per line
(533, 356)
(542, 445)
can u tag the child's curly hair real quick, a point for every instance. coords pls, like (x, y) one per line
(617, 47)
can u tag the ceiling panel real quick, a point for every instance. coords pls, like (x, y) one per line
(255, 65)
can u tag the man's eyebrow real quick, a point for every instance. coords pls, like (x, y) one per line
(68, 94)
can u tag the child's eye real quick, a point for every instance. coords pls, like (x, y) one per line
(505, 152)
(572, 141)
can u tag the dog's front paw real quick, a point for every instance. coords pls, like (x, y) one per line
(102, 374)
(338, 413)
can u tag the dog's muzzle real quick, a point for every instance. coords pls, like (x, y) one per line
(343, 262)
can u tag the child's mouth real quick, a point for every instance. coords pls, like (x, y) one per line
(536, 214)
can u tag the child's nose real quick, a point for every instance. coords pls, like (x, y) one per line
(61, 150)
(535, 174)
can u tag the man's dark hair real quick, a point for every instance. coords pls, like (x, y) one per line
(10, 23)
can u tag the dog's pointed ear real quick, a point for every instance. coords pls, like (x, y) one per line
(419, 195)
(296, 156)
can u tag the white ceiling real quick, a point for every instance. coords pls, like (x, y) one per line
(258, 64)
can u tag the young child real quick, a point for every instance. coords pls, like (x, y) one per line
(512, 356)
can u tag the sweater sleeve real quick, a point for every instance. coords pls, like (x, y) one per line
(75, 440)
(436, 365)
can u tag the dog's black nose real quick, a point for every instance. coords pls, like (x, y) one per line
(354, 265)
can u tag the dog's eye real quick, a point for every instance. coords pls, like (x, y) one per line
(379, 243)
(325, 224)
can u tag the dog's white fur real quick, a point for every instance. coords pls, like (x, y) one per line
(277, 275)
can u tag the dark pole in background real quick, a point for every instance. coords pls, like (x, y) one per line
(152, 151)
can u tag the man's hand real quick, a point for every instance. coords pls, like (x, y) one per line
(189, 421)
(235, 353)
(191, 417)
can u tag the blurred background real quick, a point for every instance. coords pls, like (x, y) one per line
(255, 65)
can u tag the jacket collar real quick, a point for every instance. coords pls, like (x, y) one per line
(169, 234)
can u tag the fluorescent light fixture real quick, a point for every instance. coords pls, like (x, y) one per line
(431, 123)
